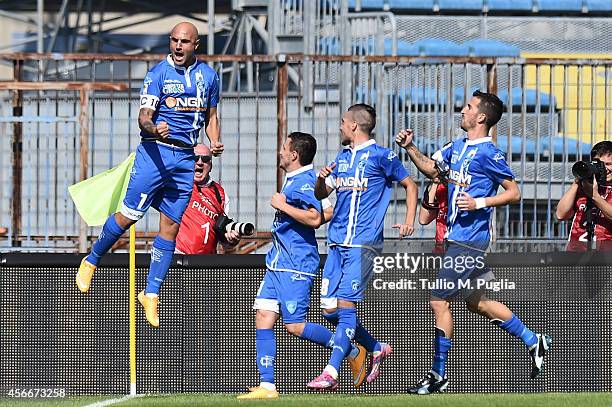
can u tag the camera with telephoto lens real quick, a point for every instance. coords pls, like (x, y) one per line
(225, 224)
(587, 170)
(443, 169)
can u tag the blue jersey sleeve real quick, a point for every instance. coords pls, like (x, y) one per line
(392, 167)
(151, 91)
(305, 195)
(444, 154)
(214, 92)
(496, 167)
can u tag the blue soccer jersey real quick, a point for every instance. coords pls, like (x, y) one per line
(180, 97)
(294, 246)
(477, 167)
(363, 179)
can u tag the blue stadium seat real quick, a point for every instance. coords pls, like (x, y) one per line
(422, 96)
(367, 4)
(560, 5)
(558, 149)
(599, 5)
(439, 47)
(368, 47)
(482, 47)
(530, 97)
(475, 5)
(516, 144)
(411, 5)
(510, 5)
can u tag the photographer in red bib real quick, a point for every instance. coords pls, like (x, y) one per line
(589, 202)
(197, 234)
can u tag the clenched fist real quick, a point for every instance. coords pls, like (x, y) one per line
(404, 138)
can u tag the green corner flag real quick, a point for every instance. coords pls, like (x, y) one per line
(98, 197)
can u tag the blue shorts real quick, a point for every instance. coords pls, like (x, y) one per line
(346, 275)
(285, 290)
(462, 272)
(162, 177)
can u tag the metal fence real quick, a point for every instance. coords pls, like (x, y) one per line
(79, 117)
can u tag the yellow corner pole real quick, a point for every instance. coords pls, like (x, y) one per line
(132, 310)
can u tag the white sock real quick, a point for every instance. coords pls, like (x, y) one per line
(151, 295)
(267, 386)
(332, 371)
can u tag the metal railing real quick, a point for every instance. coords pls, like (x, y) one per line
(82, 119)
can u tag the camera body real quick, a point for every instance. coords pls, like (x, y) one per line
(443, 169)
(225, 224)
(587, 170)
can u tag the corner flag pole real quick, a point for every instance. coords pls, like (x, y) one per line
(132, 310)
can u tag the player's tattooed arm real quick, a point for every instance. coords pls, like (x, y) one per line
(213, 132)
(145, 122)
(425, 164)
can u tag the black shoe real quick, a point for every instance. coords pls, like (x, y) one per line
(537, 353)
(431, 383)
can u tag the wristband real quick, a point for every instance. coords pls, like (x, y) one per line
(480, 203)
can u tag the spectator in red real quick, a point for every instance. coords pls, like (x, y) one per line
(208, 200)
(435, 206)
(587, 194)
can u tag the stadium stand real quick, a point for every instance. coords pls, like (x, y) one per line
(560, 6)
(463, 5)
(495, 6)
(399, 5)
(513, 5)
(436, 47)
(482, 47)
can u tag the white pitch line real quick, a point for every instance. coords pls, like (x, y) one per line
(113, 401)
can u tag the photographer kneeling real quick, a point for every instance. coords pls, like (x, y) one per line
(208, 205)
(589, 201)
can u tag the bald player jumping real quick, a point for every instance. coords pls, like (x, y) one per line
(179, 97)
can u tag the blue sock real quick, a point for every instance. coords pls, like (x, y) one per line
(332, 318)
(111, 232)
(364, 338)
(318, 334)
(515, 327)
(161, 257)
(265, 344)
(442, 345)
(345, 331)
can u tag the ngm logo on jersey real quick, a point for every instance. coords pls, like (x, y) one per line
(186, 104)
(354, 183)
(461, 178)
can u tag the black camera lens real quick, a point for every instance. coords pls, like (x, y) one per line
(582, 170)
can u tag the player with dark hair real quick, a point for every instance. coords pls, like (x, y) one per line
(476, 169)
(292, 264)
(587, 195)
(179, 97)
(362, 175)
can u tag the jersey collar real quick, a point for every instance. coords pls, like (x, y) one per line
(182, 68)
(362, 145)
(478, 141)
(299, 171)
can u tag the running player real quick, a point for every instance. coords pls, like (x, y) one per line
(477, 168)
(362, 175)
